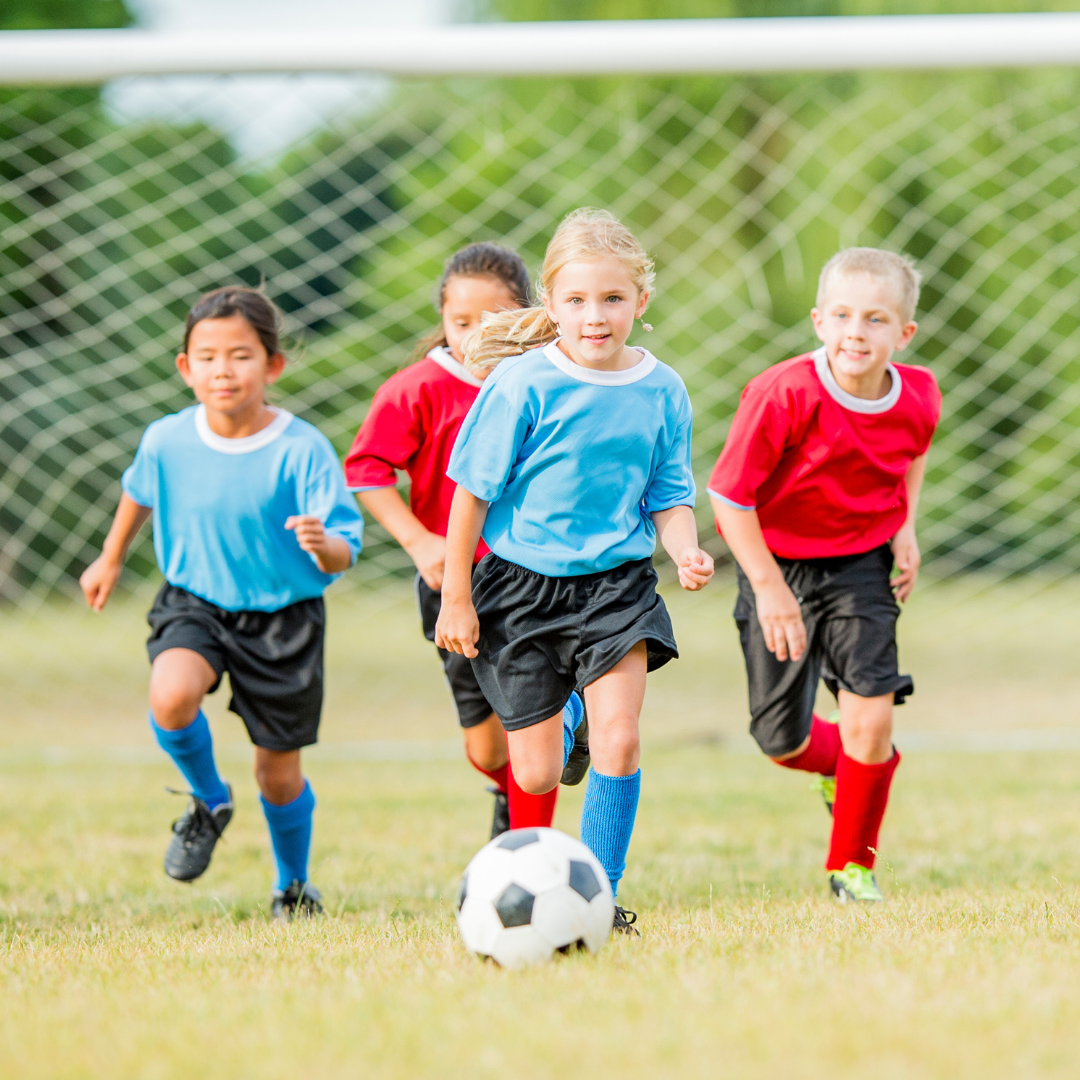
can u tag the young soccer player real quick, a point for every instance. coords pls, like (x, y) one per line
(252, 521)
(573, 459)
(815, 493)
(411, 426)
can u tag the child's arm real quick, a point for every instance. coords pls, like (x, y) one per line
(426, 549)
(905, 547)
(677, 531)
(99, 579)
(332, 554)
(458, 628)
(777, 609)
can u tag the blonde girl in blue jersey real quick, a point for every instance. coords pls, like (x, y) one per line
(572, 462)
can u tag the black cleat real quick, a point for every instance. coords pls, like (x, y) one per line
(195, 833)
(624, 922)
(577, 765)
(500, 822)
(301, 900)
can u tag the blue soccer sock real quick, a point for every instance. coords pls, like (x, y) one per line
(290, 836)
(607, 820)
(572, 713)
(192, 751)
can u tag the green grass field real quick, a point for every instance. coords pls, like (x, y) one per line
(745, 967)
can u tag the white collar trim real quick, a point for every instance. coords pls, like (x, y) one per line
(601, 378)
(850, 401)
(446, 361)
(249, 443)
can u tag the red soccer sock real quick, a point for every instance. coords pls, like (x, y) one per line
(862, 792)
(529, 811)
(821, 753)
(498, 775)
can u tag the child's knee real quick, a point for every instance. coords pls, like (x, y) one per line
(174, 703)
(537, 777)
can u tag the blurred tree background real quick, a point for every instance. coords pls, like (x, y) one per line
(741, 187)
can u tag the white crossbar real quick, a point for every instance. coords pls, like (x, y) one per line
(653, 47)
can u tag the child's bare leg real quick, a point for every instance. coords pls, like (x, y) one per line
(610, 809)
(485, 745)
(864, 775)
(866, 727)
(288, 804)
(179, 680)
(278, 774)
(536, 755)
(614, 705)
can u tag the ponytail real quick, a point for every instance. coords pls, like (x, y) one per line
(506, 333)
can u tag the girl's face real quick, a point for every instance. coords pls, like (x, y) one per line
(465, 299)
(594, 303)
(226, 365)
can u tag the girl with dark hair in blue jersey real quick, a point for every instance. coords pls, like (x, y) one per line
(573, 460)
(252, 521)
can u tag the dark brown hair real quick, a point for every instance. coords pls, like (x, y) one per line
(483, 260)
(254, 307)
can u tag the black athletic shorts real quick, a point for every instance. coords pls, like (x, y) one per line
(541, 637)
(850, 616)
(274, 660)
(472, 706)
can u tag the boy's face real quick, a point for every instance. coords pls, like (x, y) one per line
(226, 365)
(860, 324)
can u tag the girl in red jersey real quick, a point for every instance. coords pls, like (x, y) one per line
(413, 422)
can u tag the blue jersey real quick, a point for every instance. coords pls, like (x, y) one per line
(220, 507)
(573, 461)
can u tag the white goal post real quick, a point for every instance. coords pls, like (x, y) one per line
(651, 47)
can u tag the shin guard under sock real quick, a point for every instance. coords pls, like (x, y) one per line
(192, 751)
(290, 835)
(607, 820)
(822, 751)
(862, 793)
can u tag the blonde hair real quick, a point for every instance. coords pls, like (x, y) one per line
(886, 266)
(582, 235)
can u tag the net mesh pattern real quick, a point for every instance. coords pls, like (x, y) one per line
(741, 189)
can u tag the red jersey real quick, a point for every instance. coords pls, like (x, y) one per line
(825, 470)
(412, 424)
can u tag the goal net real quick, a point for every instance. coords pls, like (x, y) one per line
(741, 187)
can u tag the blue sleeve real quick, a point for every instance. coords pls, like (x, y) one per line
(672, 482)
(488, 443)
(325, 496)
(139, 481)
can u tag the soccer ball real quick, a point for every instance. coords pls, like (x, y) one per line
(531, 893)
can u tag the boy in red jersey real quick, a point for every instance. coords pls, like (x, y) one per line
(413, 422)
(816, 492)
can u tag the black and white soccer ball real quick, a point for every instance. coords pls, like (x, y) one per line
(531, 893)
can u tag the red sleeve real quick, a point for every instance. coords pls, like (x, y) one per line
(388, 438)
(759, 434)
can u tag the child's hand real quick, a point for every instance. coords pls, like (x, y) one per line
(781, 620)
(332, 554)
(906, 555)
(458, 628)
(695, 569)
(429, 555)
(99, 579)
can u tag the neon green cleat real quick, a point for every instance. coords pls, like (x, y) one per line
(855, 884)
(833, 717)
(826, 787)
